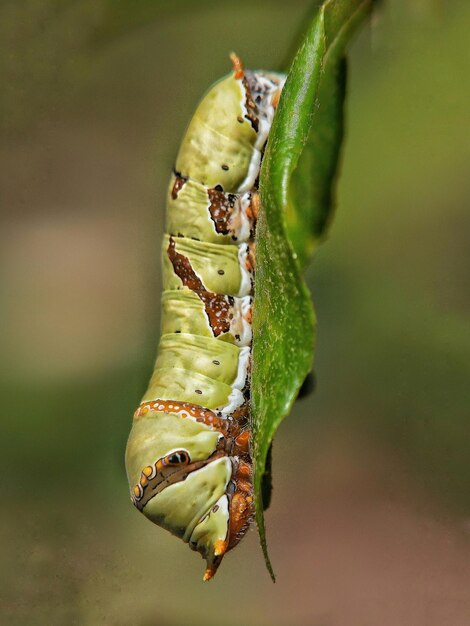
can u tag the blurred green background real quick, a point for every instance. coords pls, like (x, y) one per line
(370, 517)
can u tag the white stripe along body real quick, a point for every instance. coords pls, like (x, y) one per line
(188, 458)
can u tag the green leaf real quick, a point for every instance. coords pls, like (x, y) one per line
(311, 200)
(284, 320)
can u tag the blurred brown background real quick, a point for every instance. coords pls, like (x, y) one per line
(370, 517)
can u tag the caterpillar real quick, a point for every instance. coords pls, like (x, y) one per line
(188, 455)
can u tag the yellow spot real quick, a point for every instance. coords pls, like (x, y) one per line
(136, 491)
(147, 471)
(275, 99)
(220, 547)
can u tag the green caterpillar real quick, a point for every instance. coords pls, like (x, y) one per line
(188, 455)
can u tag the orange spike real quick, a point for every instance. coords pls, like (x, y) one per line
(209, 573)
(237, 66)
(220, 547)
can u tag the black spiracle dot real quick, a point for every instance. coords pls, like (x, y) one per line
(220, 272)
(198, 391)
(225, 167)
(215, 362)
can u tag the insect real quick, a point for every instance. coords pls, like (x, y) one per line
(188, 455)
